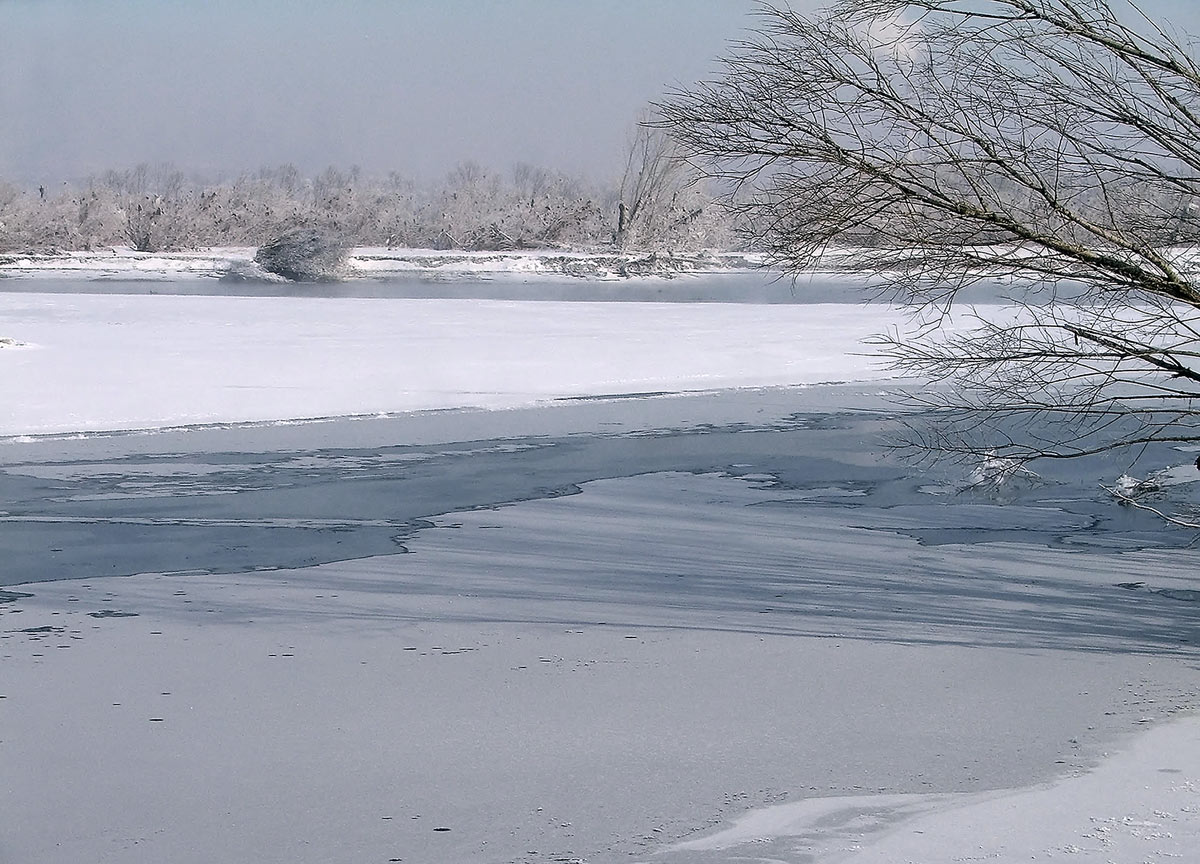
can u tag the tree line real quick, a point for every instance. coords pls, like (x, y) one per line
(658, 204)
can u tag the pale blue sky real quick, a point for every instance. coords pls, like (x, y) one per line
(408, 85)
(411, 85)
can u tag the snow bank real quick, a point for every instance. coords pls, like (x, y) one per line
(377, 262)
(1141, 804)
(101, 362)
(121, 262)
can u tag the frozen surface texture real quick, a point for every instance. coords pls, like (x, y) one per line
(1141, 804)
(375, 263)
(592, 676)
(100, 362)
(704, 627)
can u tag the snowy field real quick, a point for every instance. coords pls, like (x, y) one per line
(553, 582)
(103, 361)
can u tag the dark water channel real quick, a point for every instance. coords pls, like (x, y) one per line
(234, 499)
(764, 287)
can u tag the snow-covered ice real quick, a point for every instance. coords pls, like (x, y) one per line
(1140, 804)
(599, 677)
(98, 362)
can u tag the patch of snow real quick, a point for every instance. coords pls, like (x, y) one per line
(593, 676)
(377, 262)
(995, 472)
(122, 262)
(1139, 804)
(144, 361)
(1157, 483)
(1176, 475)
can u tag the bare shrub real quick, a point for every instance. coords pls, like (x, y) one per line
(305, 254)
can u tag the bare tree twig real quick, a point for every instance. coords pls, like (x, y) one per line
(1049, 145)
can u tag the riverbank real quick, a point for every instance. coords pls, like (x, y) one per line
(237, 263)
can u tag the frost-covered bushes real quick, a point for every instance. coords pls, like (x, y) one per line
(158, 205)
(305, 254)
(71, 219)
(159, 208)
(533, 208)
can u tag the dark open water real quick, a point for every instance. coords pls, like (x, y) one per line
(741, 287)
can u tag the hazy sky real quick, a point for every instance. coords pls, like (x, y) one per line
(222, 86)
(408, 85)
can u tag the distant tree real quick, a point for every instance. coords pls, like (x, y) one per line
(544, 209)
(157, 206)
(72, 218)
(663, 203)
(944, 142)
(654, 174)
(10, 219)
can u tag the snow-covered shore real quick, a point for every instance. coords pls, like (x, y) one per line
(597, 625)
(236, 264)
(376, 263)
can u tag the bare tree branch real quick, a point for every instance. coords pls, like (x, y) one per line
(1052, 145)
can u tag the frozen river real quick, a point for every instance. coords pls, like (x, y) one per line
(547, 581)
(269, 496)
